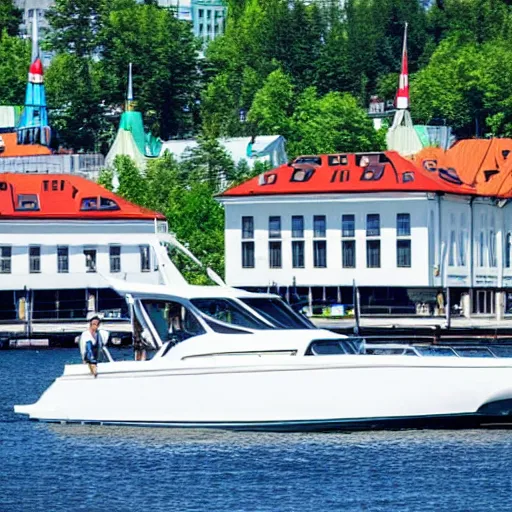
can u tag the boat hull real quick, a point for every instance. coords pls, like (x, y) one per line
(343, 393)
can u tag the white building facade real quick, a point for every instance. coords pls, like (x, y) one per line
(400, 248)
(62, 238)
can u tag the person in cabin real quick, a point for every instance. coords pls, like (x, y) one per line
(139, 345)
(90, 344)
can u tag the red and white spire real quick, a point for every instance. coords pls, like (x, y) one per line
(402, 96)
(35, 72)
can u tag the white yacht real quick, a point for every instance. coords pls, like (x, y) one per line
(226, 358)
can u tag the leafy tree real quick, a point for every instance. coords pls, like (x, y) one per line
(132, 185)
(74, 93)
(273, 105)
(209, 163)
(10, 17)
(164, 56)
(331, 123)
(14, 62)
(106, 179)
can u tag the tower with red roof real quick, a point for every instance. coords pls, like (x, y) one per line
(33, 127)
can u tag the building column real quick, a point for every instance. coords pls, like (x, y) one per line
(465, 302)
(499, 305)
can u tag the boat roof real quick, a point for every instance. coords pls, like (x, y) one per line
(158, 291)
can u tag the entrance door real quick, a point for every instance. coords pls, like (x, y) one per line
(483, 302)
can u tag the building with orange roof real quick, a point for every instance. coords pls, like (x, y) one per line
(62, 237)
(403, 230)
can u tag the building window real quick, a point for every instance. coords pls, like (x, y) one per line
(90, 260)
(274, 254)
(298, 254)
(348, 250)
(320, 253)
(403, 253)
(319, 227)
(115, 258)
(493, 260)
(274, 227)
(297, 226)
(5, 259)
(403, 224)
(373, 253)
(248, 254)
(348, 226)
(247, 227)
(145, 262)
(481, 243)
(62, 260)
(462, 241)
(508, 248)
(373, 224)
(34, 257)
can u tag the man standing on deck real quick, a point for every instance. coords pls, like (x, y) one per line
(90, 344)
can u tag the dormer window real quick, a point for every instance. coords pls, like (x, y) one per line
(267, 179)
(108, 204)
(407, 176)
(89, 203)
(302, 174)
(373, 172)
(28, 202)
(450, 175)
(3, 185)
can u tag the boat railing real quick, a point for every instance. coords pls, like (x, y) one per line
(435, 350)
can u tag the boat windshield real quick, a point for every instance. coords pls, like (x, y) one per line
(229, 312)
(276, 311)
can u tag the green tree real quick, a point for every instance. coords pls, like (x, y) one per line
(273, 105)
(164, 56)
(14, 62)
(74, 96)
(331, 123)
(106, 179)
(10, 17)
(132, 184)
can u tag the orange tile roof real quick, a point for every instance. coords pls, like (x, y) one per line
(380, 172)
(63, 196)
(12, 148)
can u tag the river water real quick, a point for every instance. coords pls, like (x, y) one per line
(68, 467)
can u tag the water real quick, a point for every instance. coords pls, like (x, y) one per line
(68, 467)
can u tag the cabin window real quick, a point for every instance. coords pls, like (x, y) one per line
(373, 172)
(344, 175)
(108, 204)
(3, 185)
(90, 260)
(267, 179)
(27, 202)
(34, 254)
(115, 258)
(55, 185)
(62, 259)
(228, 312)
(247, 254)
(89, 203)
(145, 259)
(5, 259)
(45, 185)
(278, 313)
(331, 347)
